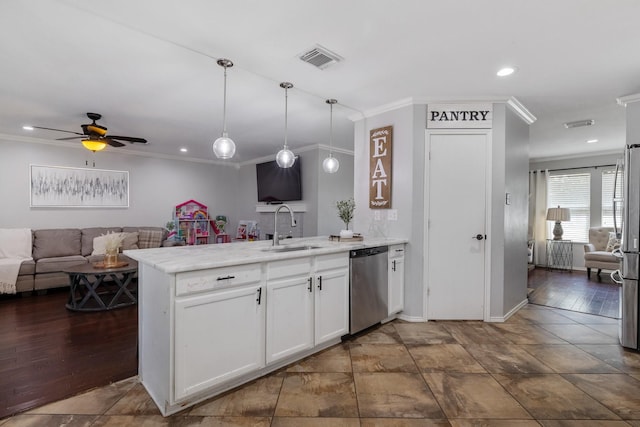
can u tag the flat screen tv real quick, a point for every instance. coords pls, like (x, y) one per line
(276, 184)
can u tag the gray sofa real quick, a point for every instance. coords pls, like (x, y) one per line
(60, 248)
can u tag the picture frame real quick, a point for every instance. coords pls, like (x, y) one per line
(67, 187)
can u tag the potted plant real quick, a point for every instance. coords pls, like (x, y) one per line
(345, 213)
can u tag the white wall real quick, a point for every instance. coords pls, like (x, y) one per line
(331, 188)
(508, 226)
(407, 192)
(156, 186)
(516, 214)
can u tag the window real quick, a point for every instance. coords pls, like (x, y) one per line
(571, 191)
(608, 177)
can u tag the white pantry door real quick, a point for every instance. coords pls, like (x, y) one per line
(456, 225)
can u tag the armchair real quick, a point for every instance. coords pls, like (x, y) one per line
(595, 252)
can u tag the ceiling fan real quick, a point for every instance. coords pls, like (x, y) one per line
(94, 136)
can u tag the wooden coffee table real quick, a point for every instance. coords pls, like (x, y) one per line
(97, 289)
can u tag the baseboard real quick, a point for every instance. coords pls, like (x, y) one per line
(411, 318)
(514, 310)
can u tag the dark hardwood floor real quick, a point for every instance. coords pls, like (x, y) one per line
(574, 291)
(48, 353)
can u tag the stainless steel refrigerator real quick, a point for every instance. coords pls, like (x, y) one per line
(629, 250)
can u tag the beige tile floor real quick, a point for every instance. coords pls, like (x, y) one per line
(543, 366)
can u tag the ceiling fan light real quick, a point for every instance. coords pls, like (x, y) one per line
(224, 147)
(93, 145)
(330, 164)
(285, 158)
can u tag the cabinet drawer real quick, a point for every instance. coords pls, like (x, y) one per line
(332, 261)
(396, 251)
(216, 278)
(289, 268)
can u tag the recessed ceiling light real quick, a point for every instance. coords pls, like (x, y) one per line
(27, 127)
(506, 71)
(591, 141)
(184, 150)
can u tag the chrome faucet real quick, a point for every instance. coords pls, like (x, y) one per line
(276, 238)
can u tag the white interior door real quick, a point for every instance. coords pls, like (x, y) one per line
(456, 226)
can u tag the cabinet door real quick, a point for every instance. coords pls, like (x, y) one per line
(396, 285)
(289, 317)
(331, 305)
(218, 336)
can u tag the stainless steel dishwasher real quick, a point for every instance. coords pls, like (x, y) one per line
(368, 284)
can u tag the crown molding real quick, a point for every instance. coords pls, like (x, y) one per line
(382, 109)
(575, 156)
(628, 99)
(513, 103)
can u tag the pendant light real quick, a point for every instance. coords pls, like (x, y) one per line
(331, 164)
(285, 157)
(224, 147)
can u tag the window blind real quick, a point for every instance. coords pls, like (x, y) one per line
(571, 191)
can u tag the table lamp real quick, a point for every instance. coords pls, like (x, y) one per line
(558, 215)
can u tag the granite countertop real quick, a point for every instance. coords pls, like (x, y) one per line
(178, 259)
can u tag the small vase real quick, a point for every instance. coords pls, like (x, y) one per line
(111, 258)
(346, 234)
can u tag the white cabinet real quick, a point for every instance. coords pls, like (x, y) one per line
(396, 279)
(218, 336)
(332, 297)
(289, 308)
(308, 303)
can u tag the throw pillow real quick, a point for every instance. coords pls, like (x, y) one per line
(149, 238)
(130, 241)
(614, 242)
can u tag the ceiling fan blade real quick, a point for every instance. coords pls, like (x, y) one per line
(113, 143)
(128, 139)
(58, 130)
(70, 137)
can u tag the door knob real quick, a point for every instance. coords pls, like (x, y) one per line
(478, 237)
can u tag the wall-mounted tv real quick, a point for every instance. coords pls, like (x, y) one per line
(276, 184)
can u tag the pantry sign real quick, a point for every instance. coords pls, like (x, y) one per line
(459, 116)
(380, 149)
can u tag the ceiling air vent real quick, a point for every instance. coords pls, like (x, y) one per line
(579, 123)
(320, 57)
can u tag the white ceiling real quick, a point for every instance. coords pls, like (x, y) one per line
(149, 67)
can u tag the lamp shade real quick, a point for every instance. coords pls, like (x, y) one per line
(93, 144)
(558, 214)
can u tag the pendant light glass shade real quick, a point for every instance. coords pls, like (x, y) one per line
(331, 164)
(93, 144)
(285, 157)
(224, 147)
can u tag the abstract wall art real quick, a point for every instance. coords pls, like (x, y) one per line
(65, 187)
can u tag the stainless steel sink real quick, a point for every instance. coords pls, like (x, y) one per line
(290, 248)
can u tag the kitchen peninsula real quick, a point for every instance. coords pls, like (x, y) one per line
(213, 317)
